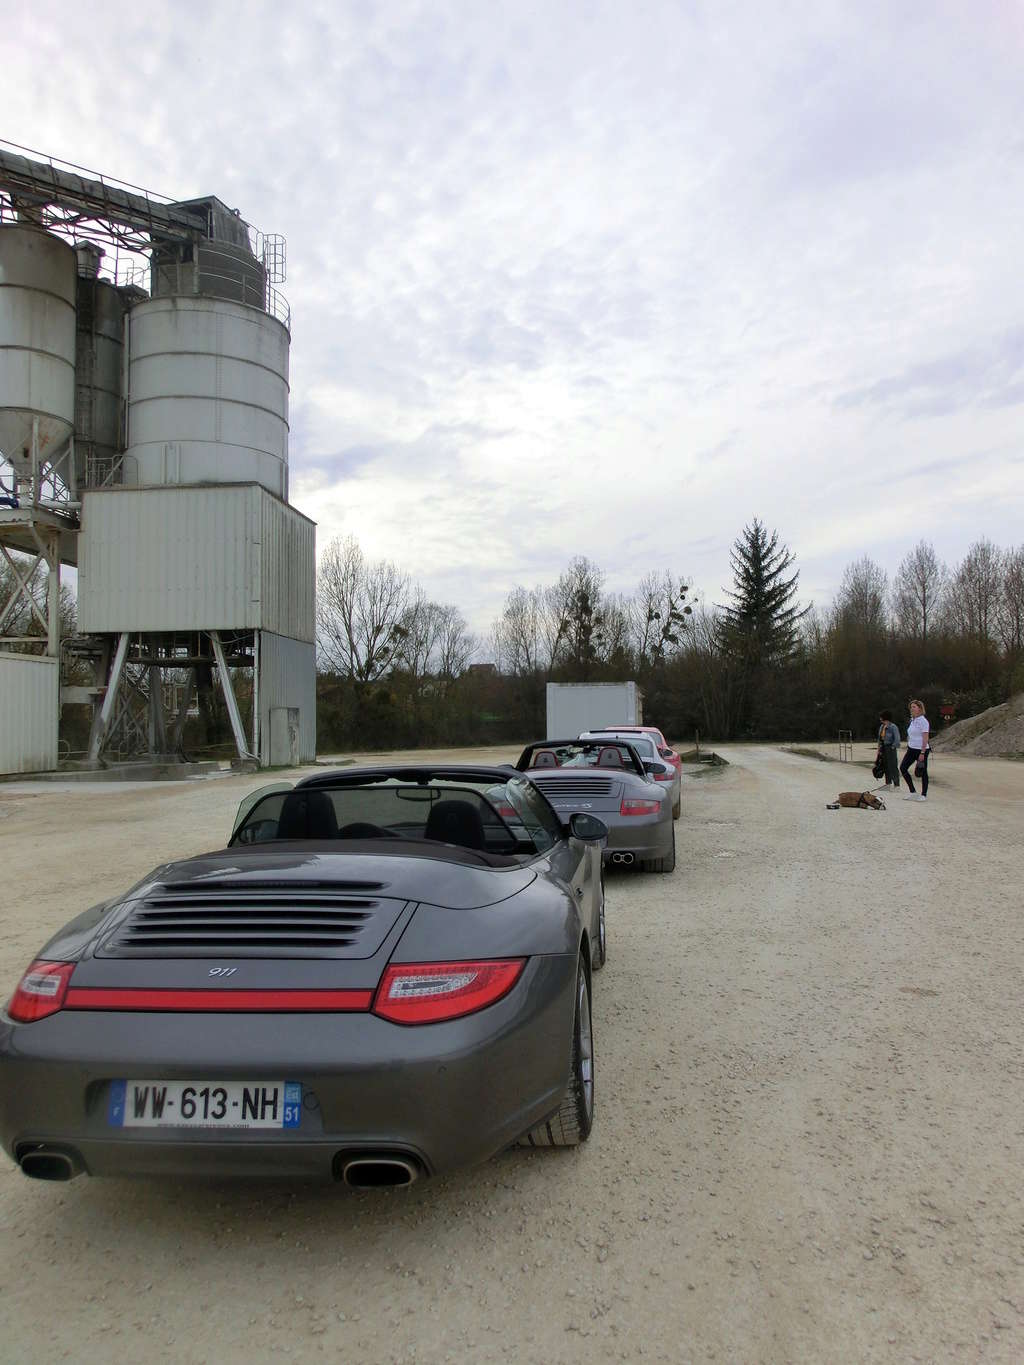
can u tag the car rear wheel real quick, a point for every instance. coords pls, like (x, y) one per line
(666, 864)
(572, 1122)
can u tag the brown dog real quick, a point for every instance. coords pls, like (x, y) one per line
(859, 800)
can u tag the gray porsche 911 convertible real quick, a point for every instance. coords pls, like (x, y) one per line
(606, 777)
(385, 975)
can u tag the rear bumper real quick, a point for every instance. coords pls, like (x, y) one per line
(646, 837)
(448, 1094)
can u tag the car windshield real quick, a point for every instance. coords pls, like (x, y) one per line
(641, 743)
(505, 817)
(581, 753)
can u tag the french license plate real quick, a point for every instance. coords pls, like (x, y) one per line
(204, 1104)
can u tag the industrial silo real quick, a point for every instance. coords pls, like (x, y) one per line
(208, 366)
(99, 365)
(207, 394)
(37, 414)
(37, 344)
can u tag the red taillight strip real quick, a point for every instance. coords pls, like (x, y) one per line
(263, 1002)
(434, 992)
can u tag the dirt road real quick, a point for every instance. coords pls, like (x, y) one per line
(810, 1131)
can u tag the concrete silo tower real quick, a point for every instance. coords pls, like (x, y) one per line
(171, 410)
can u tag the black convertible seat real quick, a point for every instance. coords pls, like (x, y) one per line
(545, 758)
(455, 822)
(307, 815)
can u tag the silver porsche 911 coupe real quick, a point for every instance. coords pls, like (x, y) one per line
(606, 777)
(385, 975)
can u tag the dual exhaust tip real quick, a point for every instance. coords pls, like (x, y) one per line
(624, 859)
(51, 1163)
(375, 1170)
(358, 1170)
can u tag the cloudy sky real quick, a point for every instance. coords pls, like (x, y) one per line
(600, 278)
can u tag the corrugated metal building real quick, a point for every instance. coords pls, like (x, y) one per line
(28, 713)
(287, 700)
(231, 557)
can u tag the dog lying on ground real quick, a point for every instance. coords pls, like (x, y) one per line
(857, 800)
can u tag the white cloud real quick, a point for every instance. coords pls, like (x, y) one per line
(581, 278)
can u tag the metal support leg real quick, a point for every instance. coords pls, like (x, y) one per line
(178, 728)
(157, 737)
(256, 693)
(229, 696)
(53, 595)
(101, 721)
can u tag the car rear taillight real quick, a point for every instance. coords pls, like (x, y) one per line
(428, 992)
(507, 813)
(638, 805)
(41, 991)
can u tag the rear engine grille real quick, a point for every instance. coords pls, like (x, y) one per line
(569, 787)
(268, 919)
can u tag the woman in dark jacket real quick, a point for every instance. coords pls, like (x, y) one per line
(888, 748)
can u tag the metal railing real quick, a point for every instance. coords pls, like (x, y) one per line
(108, 471)
(278, 307)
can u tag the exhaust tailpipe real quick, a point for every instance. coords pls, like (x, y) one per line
(623, 859)
(375, 1171)
(48, 1163)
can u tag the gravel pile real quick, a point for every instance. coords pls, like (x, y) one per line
(997, 731)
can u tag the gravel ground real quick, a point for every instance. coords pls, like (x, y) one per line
(809, 1134)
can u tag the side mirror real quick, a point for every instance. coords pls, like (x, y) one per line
(587, 828)
(665, 753)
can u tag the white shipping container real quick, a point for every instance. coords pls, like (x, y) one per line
(575, 707)
(28, 713)
(206, 557)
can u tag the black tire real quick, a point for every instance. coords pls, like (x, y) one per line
(666, 864)
(571, 1123)
(677, 809)
(599, 950)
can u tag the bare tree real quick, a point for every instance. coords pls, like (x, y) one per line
(576, 617)
(361, 611)
(1010, 610)
(616, 644)
(657, 617)
(518, 635)
(975, 591)
(716, 680)
(455, 646)
(862, 597)
(416, 639)
(919, 592)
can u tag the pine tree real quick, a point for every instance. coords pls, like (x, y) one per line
(760, 628)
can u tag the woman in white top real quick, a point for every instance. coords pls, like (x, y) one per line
(917, 751)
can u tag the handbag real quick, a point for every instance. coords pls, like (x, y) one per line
(920, 768)
(879, 769)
